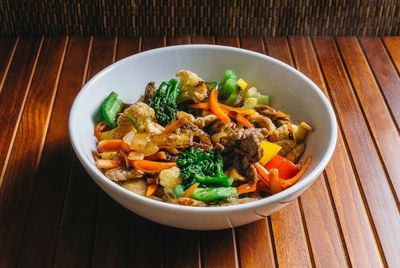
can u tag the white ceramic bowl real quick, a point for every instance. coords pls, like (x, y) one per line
(289, 90)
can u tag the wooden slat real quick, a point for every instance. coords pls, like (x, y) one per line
(179, 40)
(80, 214)
(374, 107)
(376, 189)
(384, 71)
(7, 50)
(218, 249)
(52, 180)
(392, 44)
(14, 92)
(111, 244)
(288, 230)
(19, 178)
(202, 40)
(254, 240)
(349, 206)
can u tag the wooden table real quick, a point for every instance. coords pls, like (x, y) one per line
(52, 213)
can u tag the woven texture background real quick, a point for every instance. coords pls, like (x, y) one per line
(202, 17)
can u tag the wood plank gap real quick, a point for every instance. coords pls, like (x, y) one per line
(332, 200)
(235, 247)
(385, 45)
(381, 90)
(376, 146)
(18, 121)
(272, 241)
(8, 64)
(347, 146)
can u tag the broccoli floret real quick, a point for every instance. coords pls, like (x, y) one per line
(203, 167)
(193, 87)
(138, 115)
(164, 101)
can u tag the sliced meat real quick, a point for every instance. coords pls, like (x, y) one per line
(120, 174)
(272, 113)
(136, 186)
(245, 167)
(193, 130)
(281, 133)
(206, 120)
(250, 146)
(187, 201)
(287, 146)
(263, 121)
(295, 153)
(149, 92)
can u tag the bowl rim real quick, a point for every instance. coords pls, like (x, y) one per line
(276, 198)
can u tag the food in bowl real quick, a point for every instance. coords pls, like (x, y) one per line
(198, 143)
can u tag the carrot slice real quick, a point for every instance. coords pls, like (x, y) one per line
(107, 163)
(161, 155)
(113, 146)
(238, 110)
(275, 181)
(201, 105)
(264, 174)
(244, 121)
(151, 189)
(215, 107)
(151, 166)
(100, 127)
(171, 127)
(190, 190)
(247, 188)
(287, 183)
(173, 151)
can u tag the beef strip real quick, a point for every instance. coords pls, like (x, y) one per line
(149, 92)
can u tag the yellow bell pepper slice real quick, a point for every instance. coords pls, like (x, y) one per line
(269, 150)
(242, 84)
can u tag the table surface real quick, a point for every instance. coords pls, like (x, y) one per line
(52, 213)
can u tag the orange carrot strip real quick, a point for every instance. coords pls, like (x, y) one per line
(171, 127)
(151, 189)
(151, 166)
(112, 146)
(264, 174)
(243, 121)
(190, 190)
(201, 105)
(100, 127)
(275, 181)
(215, 108)
(287, 183)
(238, 110)
(247, 188)
(107, 163)
(172, 150)
(161, 155)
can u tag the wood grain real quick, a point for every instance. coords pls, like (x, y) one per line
(20, 175)
(75, 246)
(7, 50)
(287, 223)
(14, 92)
(370, 170)
(392, 44)
(342, 183)
(217, 249)
(374, 108)
(52, 180)
(385, 73)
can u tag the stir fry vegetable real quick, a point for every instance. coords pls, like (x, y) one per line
(198, 143)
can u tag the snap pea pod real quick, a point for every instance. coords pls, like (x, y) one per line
(110, 108)
(212, 194)
(222, 181)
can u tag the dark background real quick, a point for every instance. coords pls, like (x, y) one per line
(202, 17)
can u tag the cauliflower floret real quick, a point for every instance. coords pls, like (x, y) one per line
(138, 115)
(169, 179)
(193, 87)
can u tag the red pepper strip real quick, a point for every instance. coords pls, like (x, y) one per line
(275, 181)
(284, 166)
(113, 146)
(264, 174)
(151, 166)
(215, 108)
(247, 188)
(287, 183)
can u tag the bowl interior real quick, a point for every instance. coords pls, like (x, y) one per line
(289, 91)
